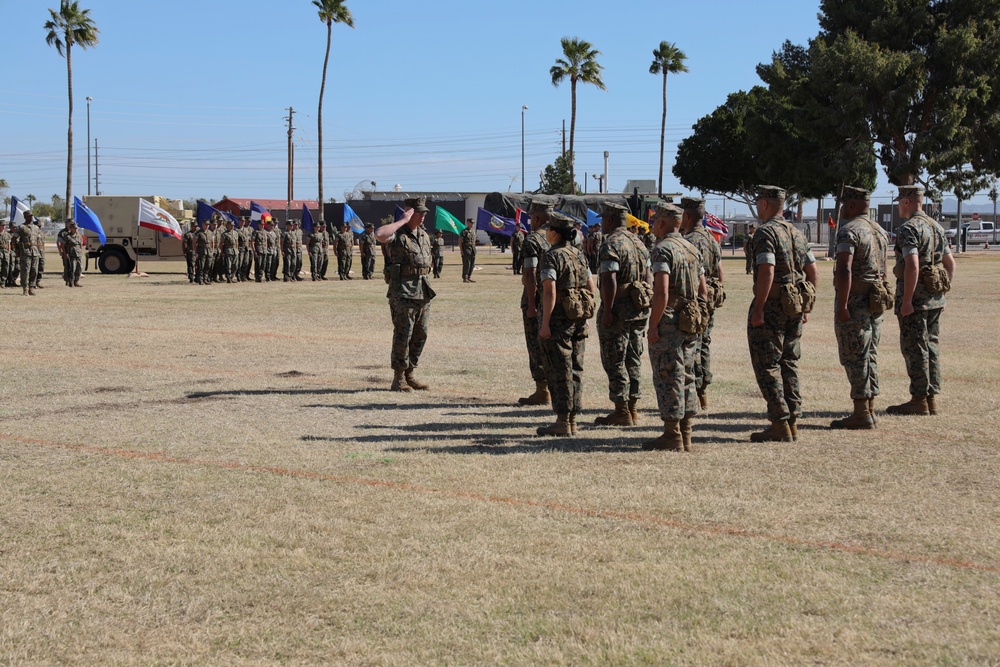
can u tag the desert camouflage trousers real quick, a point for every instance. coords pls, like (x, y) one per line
(857, 344)
(368, 266)
(29, 271)
(534, 344)
(621, 355)
(775, 350)
(918, 340)
(410, 318)
(344, 262)
(703, 357)
(672, 359)
(563, 363)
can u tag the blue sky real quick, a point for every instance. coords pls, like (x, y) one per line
(189, 97)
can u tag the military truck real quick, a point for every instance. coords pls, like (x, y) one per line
(126, 241)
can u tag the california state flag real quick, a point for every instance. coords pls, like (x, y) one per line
(154, 217)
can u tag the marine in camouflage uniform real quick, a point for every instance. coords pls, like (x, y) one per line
(189, 244)
(41, 252)
(230, 251)
(535, 246)
(861, 255)
(288, 248)
(26, 242)
(516, 244)
(71, 250)
(218, 261)
(621, 324)
(315, 246)
(773, 336)
(467, 241)
(408, 264)
(711, 262)
(5, 254)
(206, 250)
(326, 251)
(367, 244)
(563, 272)
(274, 248)
(677, 277)
(245, 262)
(345, 252)
(437, 252)
(920, 246)
(297, 248)
(261, 254)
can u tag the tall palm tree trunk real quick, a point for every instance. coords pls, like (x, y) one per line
(319, 117)
(663, 131)
(69, 137)
(572, 137)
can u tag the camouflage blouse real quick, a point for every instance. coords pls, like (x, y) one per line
(867, 242)
(923, 237)
(675, 256)
(624, 254)
(777, 243)
(408, 262)
(708, 248)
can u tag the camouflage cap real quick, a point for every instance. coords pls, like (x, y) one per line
(541, 206)
(906, 191)
(369, 225)
(692, 203)
(417, 204)
(561, 220)
(613, 210)
(770, 192)
(668, 209)
(852, 193)
(71, 221)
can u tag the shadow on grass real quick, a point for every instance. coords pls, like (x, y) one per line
(274, 392)
(471, 403)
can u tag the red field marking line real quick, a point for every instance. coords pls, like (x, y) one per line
(632, 517)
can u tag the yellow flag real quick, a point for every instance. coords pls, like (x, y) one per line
(632, 221)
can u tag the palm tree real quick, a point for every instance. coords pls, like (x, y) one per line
(31, 202)
(667, 59)
(68, 27)
(330, 12)
(579, 64)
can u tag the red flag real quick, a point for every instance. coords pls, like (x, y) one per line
(830, 221)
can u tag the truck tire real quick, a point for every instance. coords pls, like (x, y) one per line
(114, 260)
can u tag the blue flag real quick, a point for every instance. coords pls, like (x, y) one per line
(307, 219)
(593, 218)
(205, 212)
(398, 214)
(584, 228)
(357, 225)
(17, 210)
(87, 219)
(492, 223)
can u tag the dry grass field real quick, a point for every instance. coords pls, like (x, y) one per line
(219, 475)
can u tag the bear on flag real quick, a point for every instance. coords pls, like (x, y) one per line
(153, 217)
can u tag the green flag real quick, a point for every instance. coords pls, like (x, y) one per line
(445, 221)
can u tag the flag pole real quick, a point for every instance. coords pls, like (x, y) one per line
(136, 239)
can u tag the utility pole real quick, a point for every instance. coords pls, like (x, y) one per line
(89, 100)
(291, 166)
(604, 181)
(97, 172)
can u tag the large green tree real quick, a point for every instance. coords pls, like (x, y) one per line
(755, 138)
(68, 27)
(578, 64)
(667, 59)
(330, 12)
(924, 77)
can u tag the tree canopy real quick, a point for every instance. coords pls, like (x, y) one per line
(556, 179)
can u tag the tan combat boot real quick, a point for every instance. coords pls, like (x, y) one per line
(793, 428)
(634, 411)
(572, 423)
(931, 405)
(540, 397)
(561, 427)
(670, 441)
(778, 431)
(620, 417)
(871, 410)
(860, 420)
(917, 405)
(399, 382)
(414, 382)
(703, 399)
(686, 429)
